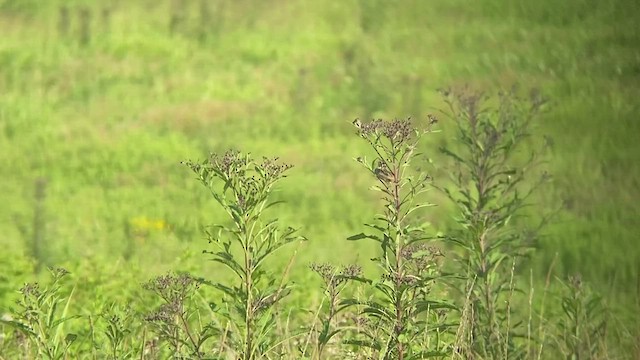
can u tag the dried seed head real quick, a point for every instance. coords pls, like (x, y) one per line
(272, 169)
(230, 161)
(164, 314)
(31, 289)
(332, 277)
(171, 287)
(576, 281)
(352, 270)
(58, 272)
(326, 271)
(397, 130)
(422, 256)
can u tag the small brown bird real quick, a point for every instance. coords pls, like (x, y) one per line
(383, 173)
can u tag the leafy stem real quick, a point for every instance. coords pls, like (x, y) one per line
(242, 186)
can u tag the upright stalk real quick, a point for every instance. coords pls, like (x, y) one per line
(402, 298)
(242, 186)
(248, 307)
(491, 184)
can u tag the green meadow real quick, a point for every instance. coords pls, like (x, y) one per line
(100, 101)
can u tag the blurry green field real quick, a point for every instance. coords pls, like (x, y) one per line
(107, 122)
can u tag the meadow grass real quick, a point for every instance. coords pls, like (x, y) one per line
(106, 114)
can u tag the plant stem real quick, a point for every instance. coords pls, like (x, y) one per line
(398, 328)
(196, 348)
(249, 289)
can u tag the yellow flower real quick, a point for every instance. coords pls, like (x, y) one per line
(142, 223)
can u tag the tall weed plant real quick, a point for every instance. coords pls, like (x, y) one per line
(403, 318)
(492, 182)
(453, 296)
(242, 186)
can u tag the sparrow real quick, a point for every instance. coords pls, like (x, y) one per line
(383, 174)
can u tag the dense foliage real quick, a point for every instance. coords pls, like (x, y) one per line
(101, 100)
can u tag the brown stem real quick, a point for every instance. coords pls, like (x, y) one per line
(248, 310)
(399, 271)
(191, 339)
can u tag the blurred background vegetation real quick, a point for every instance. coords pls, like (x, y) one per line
(101, 100)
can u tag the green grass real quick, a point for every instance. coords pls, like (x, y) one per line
(107, 123)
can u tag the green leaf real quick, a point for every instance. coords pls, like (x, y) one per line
(428, 354)
(70, 338)
(331, 334)
(51, 314)
(385, 289)
(228, 260)
(60, 321)
(427, 305)
(377, 310)
(420, 206)
(363, 236)
(377, 227)
(451, 154)
(363, 343)
(227, 290)
(346, 303)
(19, 326)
